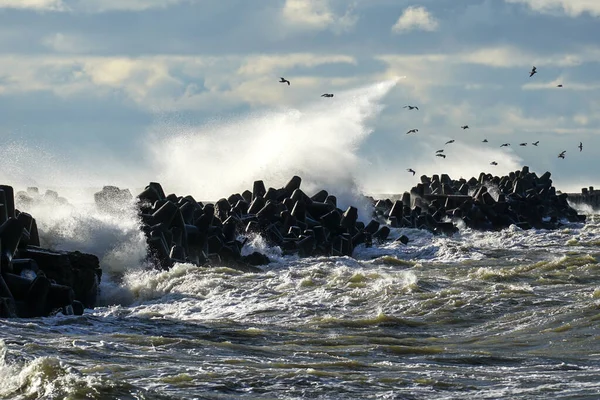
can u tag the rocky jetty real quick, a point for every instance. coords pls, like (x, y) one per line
(588, 196)
(37, 282)
(181, 229)
(521, 198)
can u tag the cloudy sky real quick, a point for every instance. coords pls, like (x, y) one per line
(120, 90)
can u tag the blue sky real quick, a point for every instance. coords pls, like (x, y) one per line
(85, 85)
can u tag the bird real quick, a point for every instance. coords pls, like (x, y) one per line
(505, 144)
(535, 143)
(533, 71)
(465, 126)
(484, 141)
(327, 95)
(449, 141)
(411, 107)
(522, 144)
(580, 146)
(283, 80)
(412, 131)
(440, 151)
(559, 85)
(562, 154)
(411, 170)
(493, 163)
(440, 155)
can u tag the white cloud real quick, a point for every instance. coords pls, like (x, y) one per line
(263, 65)
(415, 18)
(41, 5)
(572, 8)
(92, 6)
(317, 15)
(124, 5)
(169, 82)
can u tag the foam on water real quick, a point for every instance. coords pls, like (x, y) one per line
(115, 238)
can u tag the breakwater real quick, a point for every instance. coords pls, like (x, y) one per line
(34, 281)
(588, 196)
(181, 229)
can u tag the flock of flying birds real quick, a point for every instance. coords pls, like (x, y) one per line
(440, 153)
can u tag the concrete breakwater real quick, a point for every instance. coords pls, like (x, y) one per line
(588, 196)
(36, 282)
(181, 229)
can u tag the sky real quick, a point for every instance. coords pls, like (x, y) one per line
(87, 86)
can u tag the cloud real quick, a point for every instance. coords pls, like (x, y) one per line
(40, 5)
(169, 81)
(572, 8)
(415, 18)
(91, 6)
(100, 6)
(317, 15)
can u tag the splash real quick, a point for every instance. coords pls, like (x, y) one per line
(318, 142)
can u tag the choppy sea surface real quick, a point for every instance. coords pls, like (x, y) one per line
(510, 314)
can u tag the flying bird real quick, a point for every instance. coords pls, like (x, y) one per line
(562, 154)
(411, 170)
(440, 155)
(522, 144)
(493, 163)
(449, 141)
(580, 146)
(327, 95)
(440, 151)
(411, 107)
(412, 131)
(465, 126)
(283, 80)
(535, 143)
(533, 71)
(484, 141)
(505, 144)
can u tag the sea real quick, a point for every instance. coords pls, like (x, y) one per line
(513, 314)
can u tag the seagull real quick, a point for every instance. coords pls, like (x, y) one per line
(533, 72)
(411, 170)
(412, 131)
(493, 163)
(580, 146)
(505, 144)
(562, 154)
(440, 155)
(411, 107)
(440, 151)
(449, 141)
(535, 143)
(522, 144)
(465, 126)
(484, 141)
(327, 95)
(283, 80)
(559, 85)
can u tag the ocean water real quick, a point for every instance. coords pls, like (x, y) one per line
(510, 314)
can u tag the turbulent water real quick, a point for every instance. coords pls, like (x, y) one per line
(510, 314)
